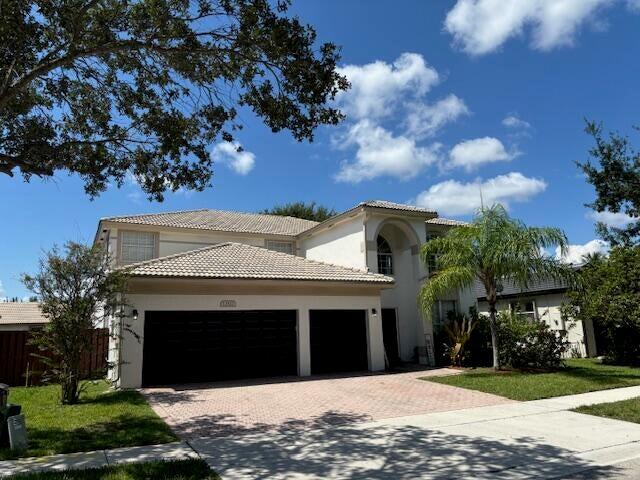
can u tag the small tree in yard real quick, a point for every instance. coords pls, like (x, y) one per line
(493, 248)
(77, 289)
(610, 297)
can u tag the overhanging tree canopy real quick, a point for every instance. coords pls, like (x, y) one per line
(103, 88)
(616, 178)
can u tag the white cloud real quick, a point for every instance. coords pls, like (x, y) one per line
(377, 87)
(455, 198)
(389, 119)
(612, 219)
(227, 152)
(135, 196)
(633, 5)
(513, 121)
(575, 253)
(470, 154)
(424, 120)
(482, 26)
(379, 153)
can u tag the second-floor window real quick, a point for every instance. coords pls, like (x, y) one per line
(526, 309)
(279, 246)
(441, 311)
(137, 246)
(385, 258)
(432, 261)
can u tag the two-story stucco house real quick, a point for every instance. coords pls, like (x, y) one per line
(222, 295)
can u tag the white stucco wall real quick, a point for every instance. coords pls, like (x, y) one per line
(132, 349)
(176, 242)
(342, 244)
(404, 235)
(173, 241)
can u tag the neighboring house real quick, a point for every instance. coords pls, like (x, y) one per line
(219, 295)
(20, 316)
(542, 301)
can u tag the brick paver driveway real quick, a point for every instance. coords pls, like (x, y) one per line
(217, 409)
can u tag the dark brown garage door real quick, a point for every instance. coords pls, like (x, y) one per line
(338, 341)
(205, 346)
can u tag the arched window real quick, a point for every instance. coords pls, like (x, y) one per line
(385, 259)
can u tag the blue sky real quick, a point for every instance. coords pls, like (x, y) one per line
(448, 98)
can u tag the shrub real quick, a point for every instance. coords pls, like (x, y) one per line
(529, 344)
(477, 349)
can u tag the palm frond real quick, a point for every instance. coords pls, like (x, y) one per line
(448, 279)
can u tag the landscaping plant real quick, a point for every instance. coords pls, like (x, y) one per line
(459, 328)
(77, 290)
(530, 344)
(493, 248)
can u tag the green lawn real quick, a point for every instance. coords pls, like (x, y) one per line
(176, 470)
(579, 376)
(103, 419)
(627, 410)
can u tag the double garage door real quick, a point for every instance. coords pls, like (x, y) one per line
(205, 346)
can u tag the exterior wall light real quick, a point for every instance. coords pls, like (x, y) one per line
(374, 312)
(134, 314)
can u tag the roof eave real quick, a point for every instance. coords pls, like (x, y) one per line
(380, 283)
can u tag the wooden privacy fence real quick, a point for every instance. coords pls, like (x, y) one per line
(18, 367)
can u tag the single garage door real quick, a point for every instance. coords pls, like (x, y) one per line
(205, 346)
(338, 341)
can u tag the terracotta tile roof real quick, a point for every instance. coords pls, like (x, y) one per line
(22, 313)
(240, 261)
(220, 220)
(395, 206)
(446, 221)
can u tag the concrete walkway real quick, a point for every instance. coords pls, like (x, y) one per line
(538, 439)
(99, 458)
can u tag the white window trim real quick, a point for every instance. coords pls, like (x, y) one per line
(523, 303)
(156, 244)
(282, 242)
(388, 255)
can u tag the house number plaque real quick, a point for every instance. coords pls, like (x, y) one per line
(228, 303)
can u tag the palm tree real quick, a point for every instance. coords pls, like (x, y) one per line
(492, 249)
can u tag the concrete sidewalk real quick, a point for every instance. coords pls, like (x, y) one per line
(97, 459)
(539, 439)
